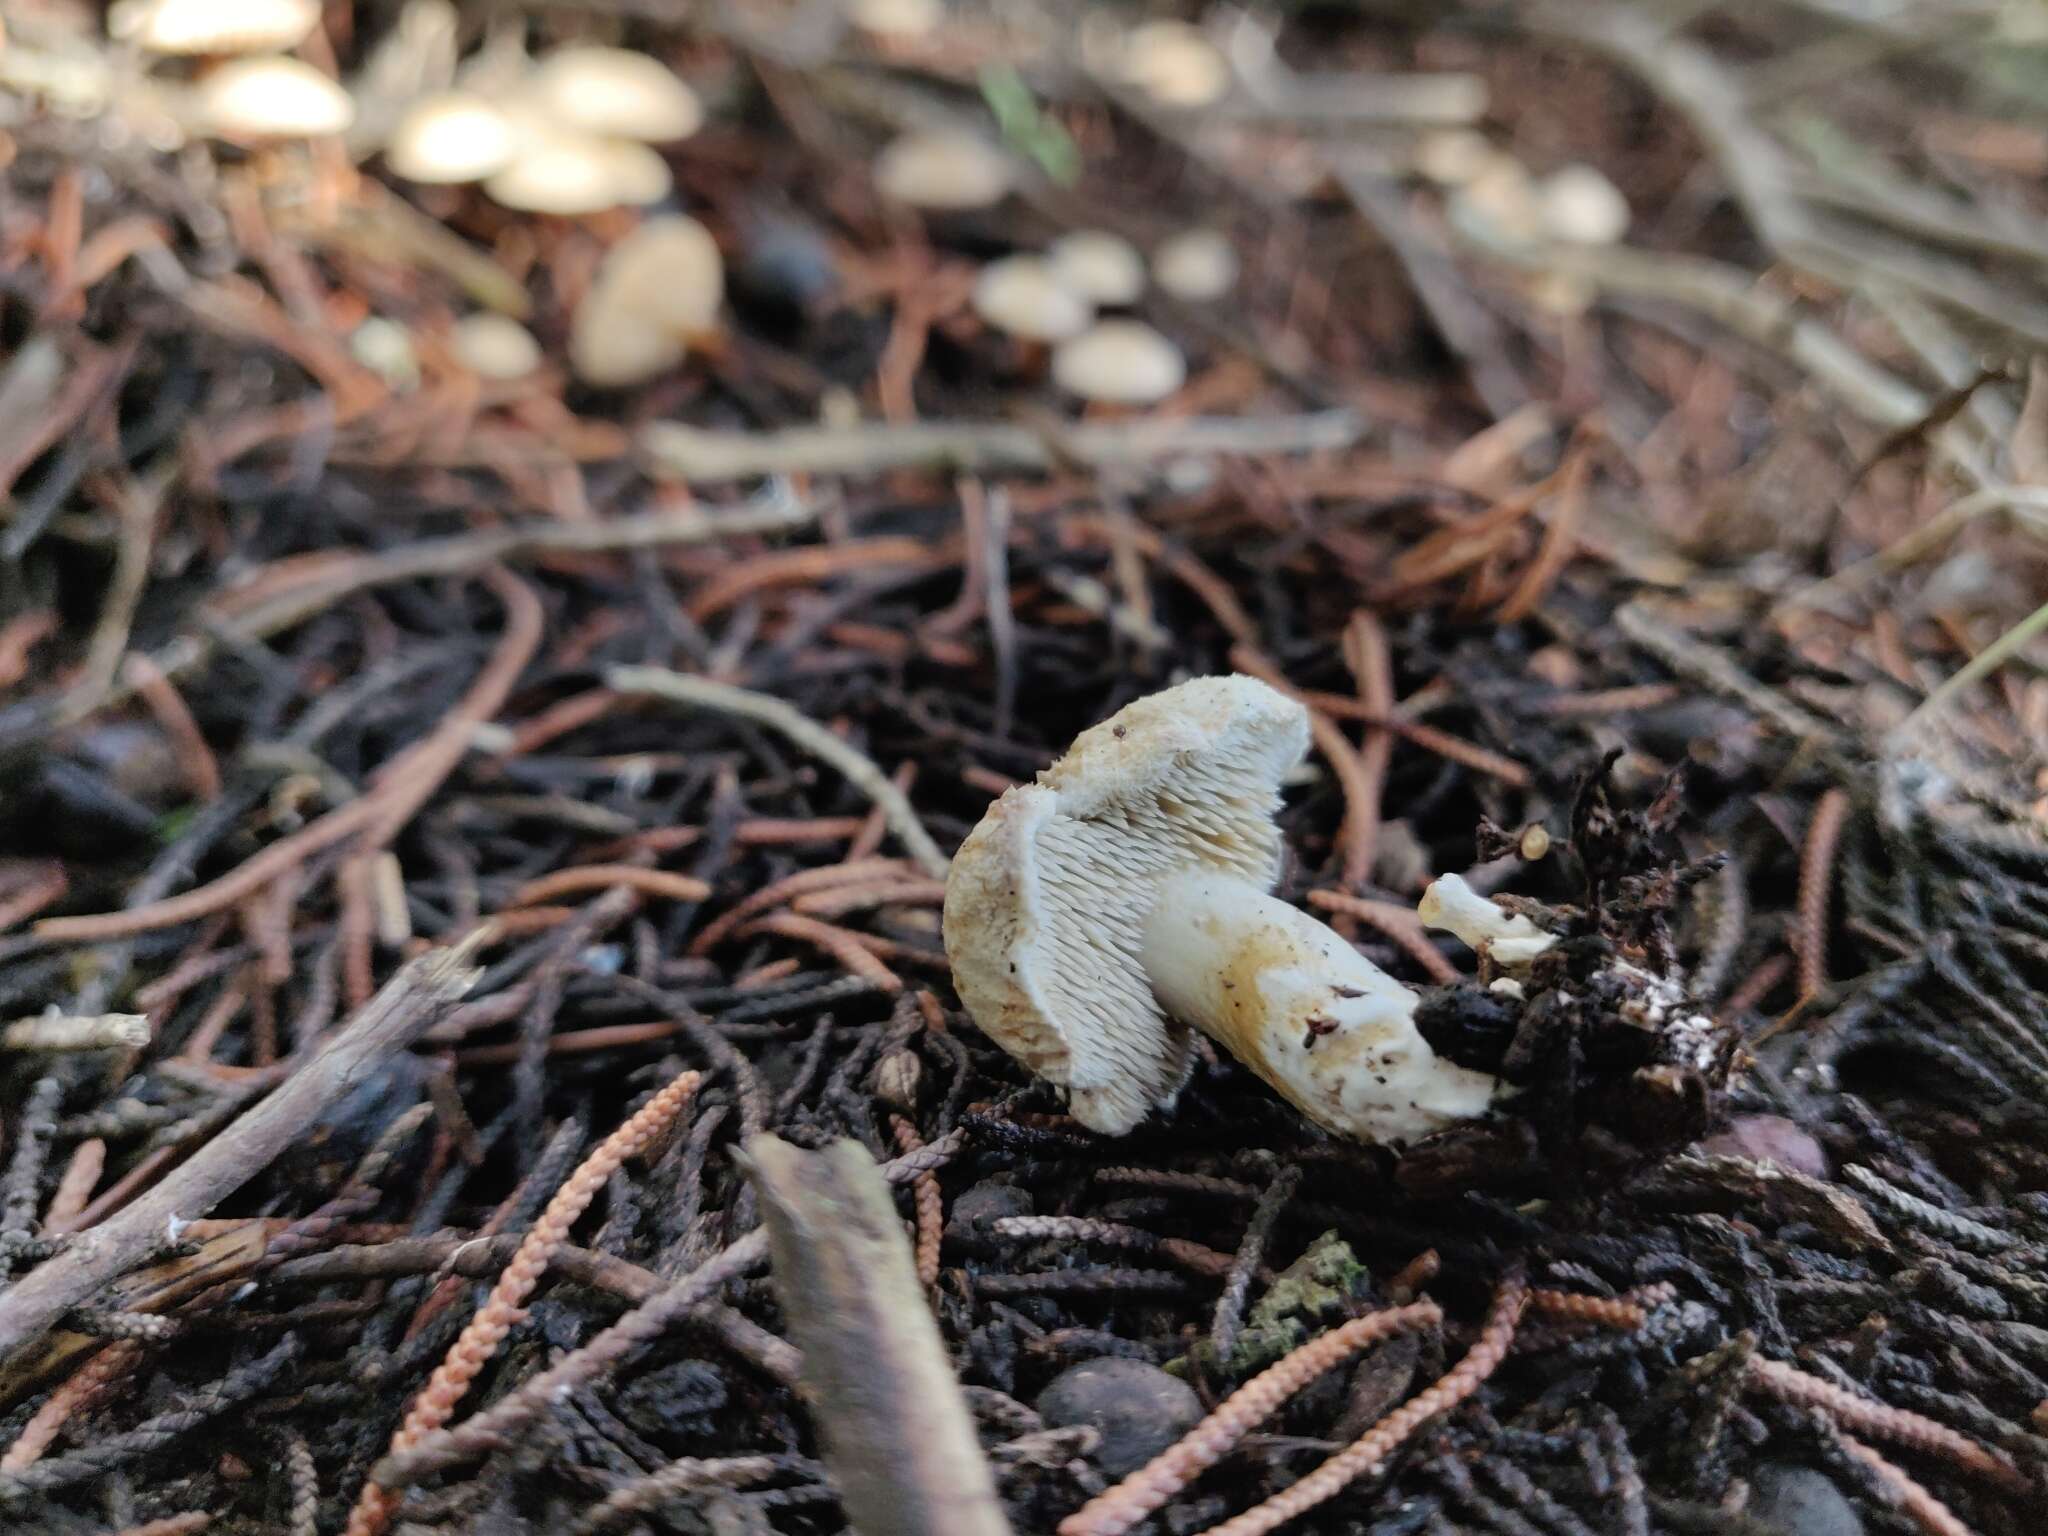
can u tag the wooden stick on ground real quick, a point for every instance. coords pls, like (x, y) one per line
(888, 1407)
(409, 1002)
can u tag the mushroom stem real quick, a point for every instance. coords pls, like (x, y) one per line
(1329, 1030)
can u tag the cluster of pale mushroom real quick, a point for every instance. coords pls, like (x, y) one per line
(1053, 300)
(1098, 917)
(252, 91)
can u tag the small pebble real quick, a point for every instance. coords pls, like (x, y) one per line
(986, 1202)
(1138, 1408)
(1800, 1502)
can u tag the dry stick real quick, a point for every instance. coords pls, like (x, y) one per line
(702, 693)
(885, 1401)
(681, 1476)
(402, 786)
(1117, 1510)
(1379, 1442)
(1816, 880)
(603, 877)
(487, 1329)
(1899, 1425)
(414, 998)
(79, 1389)
(691, 453)
(1929, 1512)
(1371, 661)
(645, 1323)
(1399, 923)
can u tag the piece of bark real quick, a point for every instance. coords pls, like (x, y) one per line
(894, 1424)
(414, 998)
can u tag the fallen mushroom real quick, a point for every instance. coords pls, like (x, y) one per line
(1024, 297)
(614, 93)
(1119, 362)
(657, 289)
(272, 98)
(213, 26)
(944, 171)
(1126, 890)
(1101, 267)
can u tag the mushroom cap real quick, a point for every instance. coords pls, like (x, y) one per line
(1581, 205)
(615, 93)
(273, 98)
(1501, 200)
(568, 173)
(1119, 362)
(896, 18)
(1101, 267)
(1048, 897)
(213, 26)
(1197, 265)
(1175, 64)
(1450, 157)
(1025, 297)
(451, 137)
(494, 346)
(947, 171)
(657, 288)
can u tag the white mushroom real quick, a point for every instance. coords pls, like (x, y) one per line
(1580, 205)
(1101, 267)
(1450, 157)
(657, 289)
(1486, 928)
(272, 98)
(385, 348)
(1126, 890)
(944, 171)
(213, 26)
(1500, 201)
(1175, 64)
(1024, 297)
(494, 347)
(451, 137)
(568, 173)
(896, 18)
(1197, 266)
(1119, 362)
(614, 93)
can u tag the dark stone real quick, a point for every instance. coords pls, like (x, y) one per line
(983, 1203)
(1139, 1409)
(1800, 1502)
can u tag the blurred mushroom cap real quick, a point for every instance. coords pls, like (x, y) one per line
(1023, 296)
(615, 93)
(1581, 205)
(944, 170)
(896, 18)
(213, 26)
(1119, 362)
(1175, 64)
(1501, 200)
(1198, 266)
(656, 289)
(1101, 267)
(494, 346)
(451, 137)
(1450, 157)
(272, 98)
(569, 173)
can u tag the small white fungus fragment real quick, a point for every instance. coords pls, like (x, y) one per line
(1452, 906)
